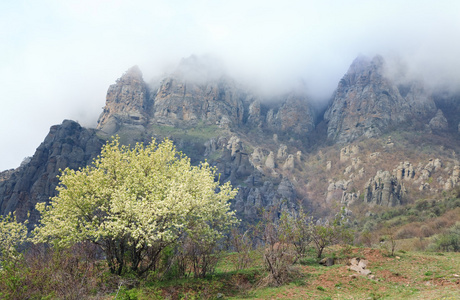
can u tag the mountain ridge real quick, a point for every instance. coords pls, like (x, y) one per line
(280, 153)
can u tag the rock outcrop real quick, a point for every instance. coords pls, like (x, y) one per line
(262, 193)
(127, 103)
(359, 266)
(183, 103)
(294, 115)
(384, 189)
(439, 122)
(66, 145)
(367, 102)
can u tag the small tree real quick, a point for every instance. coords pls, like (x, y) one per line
(277, 249)
(242, 244)
(325, 235)
(12, 263)
(134, 202)
(390, 238)
(296, 228)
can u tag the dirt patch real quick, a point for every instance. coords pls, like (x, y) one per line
(390, 276)
(334, 276)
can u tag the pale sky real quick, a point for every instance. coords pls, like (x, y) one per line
(58, 57)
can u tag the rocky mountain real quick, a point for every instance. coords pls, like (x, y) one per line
(367, 103)
(66, 145)
(127, 103)
(378, 144)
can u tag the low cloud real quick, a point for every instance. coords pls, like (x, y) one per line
(58, 58)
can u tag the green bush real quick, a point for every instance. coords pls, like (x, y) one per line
(448, 241)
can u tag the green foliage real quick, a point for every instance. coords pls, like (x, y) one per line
(448, 241)
(12, 235)
(296, 229)
(325, 235)
(135, 202)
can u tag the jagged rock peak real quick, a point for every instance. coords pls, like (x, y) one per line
(361, 66)
(127, 102)
(132, 74)
(439, 122)
(194, 93)
(366, 102)
(66, 145)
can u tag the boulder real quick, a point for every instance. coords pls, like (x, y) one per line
(289, 164)
(359, 266)
(327, 261)
(270, 161)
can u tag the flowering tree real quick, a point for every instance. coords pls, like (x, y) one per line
(134, 202)
(12, 235)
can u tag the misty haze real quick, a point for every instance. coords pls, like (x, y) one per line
(308, 134)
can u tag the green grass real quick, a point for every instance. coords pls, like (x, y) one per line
(410, 275)
(200, 131)
(416, 275)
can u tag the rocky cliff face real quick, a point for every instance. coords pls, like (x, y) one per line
(127, 103)
(66, 145)
(190, 95)
(384, 189)
(179, 102)
(367, 102)
(259, 144)
(182, 108)
(295, 115)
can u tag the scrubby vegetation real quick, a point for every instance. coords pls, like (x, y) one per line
(105, 236)
(418, 226)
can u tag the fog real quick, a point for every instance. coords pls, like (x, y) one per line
(57, 58)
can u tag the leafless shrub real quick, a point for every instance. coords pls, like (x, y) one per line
(408, 231)
(389, 240)
(426, 231)
(197, 256)
(278, 256)
(367, 238)
(74, 273)
(278, 251)
(242, 244)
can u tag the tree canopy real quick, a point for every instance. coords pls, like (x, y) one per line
(134, 202)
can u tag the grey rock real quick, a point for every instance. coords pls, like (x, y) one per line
(270, 161)
(327, 261)
(66, 145)
(438, 122)
(289, 164)
(384, 189)
(127, 102)
(282, 152)
(366, 102)
(359, 265)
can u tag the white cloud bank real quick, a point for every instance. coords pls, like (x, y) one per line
(57, 58)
